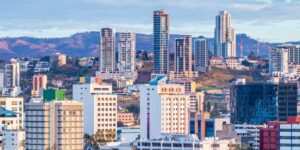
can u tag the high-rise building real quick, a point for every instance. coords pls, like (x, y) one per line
(39, 82)
(294, 53)
(161, 37)
(225, 39)
(183, 54)
(12, 79)
(107, 60)
(201, 54)
(54, 125)
(12, 74)
(126, 52)
(287, 99)
(165, 109)
(278, 60)
(1, 79)
(253, 103)
(100, 105)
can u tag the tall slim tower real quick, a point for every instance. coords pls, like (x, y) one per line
(201, 54)
(183, 54)
(12, 74)
(107, 50)
(161, 38)
(126, 47)
(225, 40)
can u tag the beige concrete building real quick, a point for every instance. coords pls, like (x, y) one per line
(54, 125)
(126, 118)
(61, 59)
(14, 104)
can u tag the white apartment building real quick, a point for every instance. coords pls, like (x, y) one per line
(39, 82)
(278, 61)
(165, 109)
(12, 74)
(1, 79)
(126, 52)
(54, 125)
(289, 136)
(14, 104)
(9, 120)
(100, 105)
(249, 134)
(186, 143)
(294, 52)
(12, 79)
(13, 139)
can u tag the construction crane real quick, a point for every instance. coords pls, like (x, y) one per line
(257, 47)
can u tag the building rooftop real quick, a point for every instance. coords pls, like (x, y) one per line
(156, 80)
(7, 113)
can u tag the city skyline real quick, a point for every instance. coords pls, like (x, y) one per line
(259, 18)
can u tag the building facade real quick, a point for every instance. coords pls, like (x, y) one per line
(166, 109)
(100, 105)
(278, 61)
(39, 82)
(107, 58)
(54, 125)
(183, 54)
(61, 59)
(14, 104)
(126, 52)
(161, 39)
(14, 139)
(253, 103)
(287, 99)
(201, 54)
(225, 40)
(126, 118)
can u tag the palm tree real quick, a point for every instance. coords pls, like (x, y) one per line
(89, 141)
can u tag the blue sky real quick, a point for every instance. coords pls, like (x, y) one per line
(267, 20)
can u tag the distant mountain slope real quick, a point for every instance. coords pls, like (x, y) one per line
(87, 44)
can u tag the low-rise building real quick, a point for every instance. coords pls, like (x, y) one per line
(42, 66)
(13, 139)
(126, 118)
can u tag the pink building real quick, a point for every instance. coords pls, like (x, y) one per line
(39, 82)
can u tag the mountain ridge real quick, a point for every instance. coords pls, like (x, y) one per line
(87, 44)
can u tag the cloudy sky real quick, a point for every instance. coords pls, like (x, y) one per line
(267, 20)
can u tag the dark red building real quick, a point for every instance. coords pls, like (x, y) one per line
(269, 136)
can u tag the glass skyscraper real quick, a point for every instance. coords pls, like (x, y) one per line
(161, 37)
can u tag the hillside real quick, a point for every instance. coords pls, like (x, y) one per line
(87, 44)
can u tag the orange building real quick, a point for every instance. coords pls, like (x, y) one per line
(126, 118)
